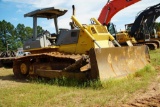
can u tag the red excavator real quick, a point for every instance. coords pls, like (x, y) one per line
(135, 35)
(112, 7)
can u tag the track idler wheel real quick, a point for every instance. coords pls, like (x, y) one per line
(24, 68)
(21, 69)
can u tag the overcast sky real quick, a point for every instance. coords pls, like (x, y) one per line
(13, 11)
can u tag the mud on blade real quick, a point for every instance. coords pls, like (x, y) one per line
(117, 61)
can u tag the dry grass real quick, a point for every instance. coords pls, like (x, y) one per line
(41, 93)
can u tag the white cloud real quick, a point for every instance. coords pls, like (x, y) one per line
(20, 11)
(128, 14)
(158, 20)
(85, 9)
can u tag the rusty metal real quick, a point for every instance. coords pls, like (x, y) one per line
(60, 74)
(105, 63)
(51, 65)
(67, 69)
(117, 62)
(23, 68)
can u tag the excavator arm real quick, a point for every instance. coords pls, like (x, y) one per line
(151, 20)
(151, 12)
(112, 7)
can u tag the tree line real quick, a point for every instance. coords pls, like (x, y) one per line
(14, 37)
(157, 26)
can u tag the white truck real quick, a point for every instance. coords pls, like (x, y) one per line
(20, 53)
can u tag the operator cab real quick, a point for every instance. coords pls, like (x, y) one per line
(62, 36)
(46, 39)
(128, 27)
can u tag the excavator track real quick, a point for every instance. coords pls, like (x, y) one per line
(151, 46)
(52, 65)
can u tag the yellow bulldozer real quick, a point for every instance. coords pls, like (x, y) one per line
(82, 52)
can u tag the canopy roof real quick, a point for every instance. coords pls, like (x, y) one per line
(50, 12)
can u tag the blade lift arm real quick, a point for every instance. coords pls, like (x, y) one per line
(85, 30)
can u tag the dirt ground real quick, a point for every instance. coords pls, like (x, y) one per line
(147, 98)
(7, 79)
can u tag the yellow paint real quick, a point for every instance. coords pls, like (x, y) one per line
(89, 34)
(123, 36)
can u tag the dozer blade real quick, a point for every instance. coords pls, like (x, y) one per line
(117, 61)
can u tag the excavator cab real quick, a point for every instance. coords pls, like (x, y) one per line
(112, 29)
(128, 27)
(143, 34)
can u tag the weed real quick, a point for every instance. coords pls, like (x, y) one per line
(65, 92)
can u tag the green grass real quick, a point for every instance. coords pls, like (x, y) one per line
(155, 57)
(67, 93)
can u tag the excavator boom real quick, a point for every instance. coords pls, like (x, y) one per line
(143, 16)
(150, 22)
(141, 30)
(112, 7)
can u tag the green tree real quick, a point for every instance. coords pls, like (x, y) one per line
(15, 37)
(157, 26)
(6, 34)
(24, 33)
(39, 30)
(28, 32)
